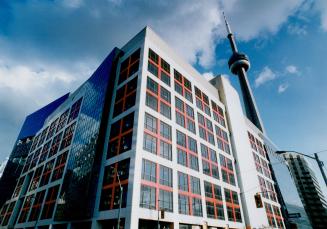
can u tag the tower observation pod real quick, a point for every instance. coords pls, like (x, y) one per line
(239, 64)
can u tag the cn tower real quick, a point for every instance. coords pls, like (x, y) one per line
(239, 64)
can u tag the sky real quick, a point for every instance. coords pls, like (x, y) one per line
(49, 47)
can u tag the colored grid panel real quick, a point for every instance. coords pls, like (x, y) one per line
(129, 66)
(25, 209)
(47, 173)
(8, 213)
(125, 97)
(121, 135)
(42, 136)
(184, 115)
(202, 101)
(159, 67)
(110, 194)
(36, 178)
(62, 120)
(19, 186)
(189, 195)
(227, 171)
(218, 114)
(68, 136)
(156, 186)
(55, 145)
(206, 129)
(222, 139)
(187, 153)
(59, 167)
(209, 161)
(45, 151)
(75, 110)
(158, 98)
(50, 202)
(157, 137)
(36, 207)
(183, 86)
(214, 201)
(232, 205)
(52, 129)
(270, 215)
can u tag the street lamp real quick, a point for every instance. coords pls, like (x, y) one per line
(316, 158)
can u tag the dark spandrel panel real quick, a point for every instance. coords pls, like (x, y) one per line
(79, 187)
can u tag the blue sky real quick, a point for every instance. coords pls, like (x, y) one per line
(49, 47)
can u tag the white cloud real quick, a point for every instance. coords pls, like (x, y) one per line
(297, 29)
(264, 76)
(282, 88)
(292, 69)
(321, 7)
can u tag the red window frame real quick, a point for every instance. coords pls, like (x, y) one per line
(55, 145)
(218, 114)
(206, 129)
(224, 167)
(203, 101)
(35, 159)
(114, 185)
(75, 110)
(263, 187)
(62, 120)
(127, 67)
(36, 207)
(3, 212)
(278, 217)
(68, 136)
(8, 214)
(45, 151)
(50, 202)
(18, 187)
(119, 137)
(214, 200)
(222, 139)
(158, 64)
(157, 184)
(60, 166)
(28, 162)
(47, 173)
(121, 98)
(257, 163)
(35, 142)
(187, 118)
(187, 150)
(158, 137)
(43, 135)
(189, 194)
(36, 178)
(159, 99)
(210, 160)
(231, 204)
(266, 169)
(182, 82)
(25, 209)
(52, 129)
(252, 141)
(270, 215)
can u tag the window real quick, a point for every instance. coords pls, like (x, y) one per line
(194, 163)
(60, 166)
(209, 161)
(148, 197)
(152, 102)
(233, 208)
(46, 173)
(183, 204)
(36, 208)
(52, 128)
(192, 145)
(68, 136)
(150, 123)
(214, 200)
(121, 134)
(227, 170)
(206, 129)
(197, 206)
(195, 185)
(152, 85)
(42, 136)
(50, 202)
(166, 176)
(36, 178)
(183, 86)
(44, 152)
(62, 120)
(181, 157)
(110, 194)
(165, 94)
(210, 209)
(55, 145)
(149, 170)
(222, 140)
(125, 97)
(26, 208)
(182, 181)
(181, 138)
(184, 115)
(165, 110)
(165, 130)
(202, 101)
(218, 114)
(189, 150)
(166, 200)
(165, 150)
(129, 66)
(75, 110)
(159, 67)
(150, 143)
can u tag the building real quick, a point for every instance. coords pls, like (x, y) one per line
(309, 189)
(14, 165)
(148, 129)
